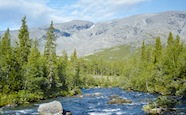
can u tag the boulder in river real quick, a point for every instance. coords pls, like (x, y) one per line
(51, 108)
(79, 96)
(114, 99)
(67, 112)
(1, 111)
(148, 109)
(113, 96)
(87, 95)
(97, 94)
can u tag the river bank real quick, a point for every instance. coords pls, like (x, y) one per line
(91, 105)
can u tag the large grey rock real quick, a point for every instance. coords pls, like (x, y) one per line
(51, 108)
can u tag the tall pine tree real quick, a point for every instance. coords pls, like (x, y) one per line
(157, 51)
(170, 40)
(62, 69)
(24, 42)
(34, 72)
(23, 50)
(143, 51)
(51, 58)
(6, 62)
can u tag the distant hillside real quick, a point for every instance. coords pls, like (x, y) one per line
(88, 37)
(122, 52)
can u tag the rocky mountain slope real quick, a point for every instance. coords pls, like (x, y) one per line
(88, 37)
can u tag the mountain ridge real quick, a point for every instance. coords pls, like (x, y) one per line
(88, 37)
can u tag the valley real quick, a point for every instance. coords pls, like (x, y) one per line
(145, 53)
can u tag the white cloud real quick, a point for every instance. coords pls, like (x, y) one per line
(99, 10)
(12, 11)
(39, 12)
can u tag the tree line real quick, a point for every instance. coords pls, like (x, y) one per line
(160, 69)
(28, 75)
(157, 69)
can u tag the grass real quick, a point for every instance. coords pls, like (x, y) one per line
(122, 52)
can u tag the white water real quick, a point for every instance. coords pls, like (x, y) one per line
(95, 105)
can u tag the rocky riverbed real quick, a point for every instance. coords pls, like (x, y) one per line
(95, 101)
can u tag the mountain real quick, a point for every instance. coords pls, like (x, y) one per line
(88, 37)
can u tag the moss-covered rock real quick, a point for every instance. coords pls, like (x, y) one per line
(160, 106)
(158, 111)
(114, 99)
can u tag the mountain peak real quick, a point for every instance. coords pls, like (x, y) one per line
(88, 37)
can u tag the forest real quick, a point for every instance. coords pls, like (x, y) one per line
(28, 75)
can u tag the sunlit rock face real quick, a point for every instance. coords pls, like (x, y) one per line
(88, 37)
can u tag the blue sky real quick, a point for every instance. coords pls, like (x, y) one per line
(41, 12)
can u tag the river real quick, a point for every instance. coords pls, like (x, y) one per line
(95, 105)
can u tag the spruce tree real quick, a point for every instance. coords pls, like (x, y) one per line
(73, 57)
(65, 59)
(24, 42)
(170, 40)
(34, 73)
(75, 68)
(71, 71)
(62, 69)
(173, 52)
(5, 44)
(158, 50)
(143, 52)
(1, 77)
(51, 58)
(17, 82)
(23, 51)
(6, 62)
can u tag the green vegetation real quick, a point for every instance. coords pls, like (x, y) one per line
(158, 69)
(163, 104)
(27, 75)
(122, 52)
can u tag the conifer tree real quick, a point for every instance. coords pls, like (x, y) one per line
(50, 56)
(73, 57)
(158, 50)
(24, 42)
(170, 40)
(62, 69)
(76, 68)
(143, 52)
(1, 77)
(71, 71)
(148, 56)
(34, 73)
(5, 61)
(173, 51)
(23, 51)
(178, 46)
(5, 44)
(65, 59)
(17, 79)
(169, 60)
(77, 74)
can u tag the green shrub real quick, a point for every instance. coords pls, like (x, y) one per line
(166, 102)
